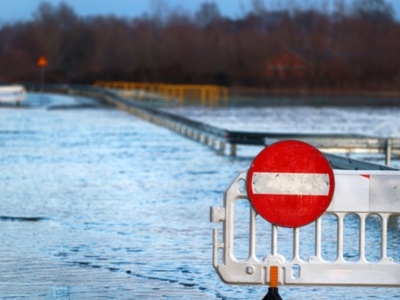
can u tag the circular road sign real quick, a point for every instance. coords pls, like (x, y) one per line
(290, 183)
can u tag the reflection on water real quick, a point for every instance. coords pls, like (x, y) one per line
(97, 204)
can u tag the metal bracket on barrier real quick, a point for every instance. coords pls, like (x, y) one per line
(360, 193)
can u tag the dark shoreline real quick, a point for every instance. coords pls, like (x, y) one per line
(301, 97)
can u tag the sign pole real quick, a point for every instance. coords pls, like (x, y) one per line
(41, 78)
(42, 63)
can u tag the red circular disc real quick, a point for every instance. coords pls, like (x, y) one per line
(290, 183)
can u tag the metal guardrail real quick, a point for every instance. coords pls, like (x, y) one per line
(346, 143)
(328, 143)
(219, 139)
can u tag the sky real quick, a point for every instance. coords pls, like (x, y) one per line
(22, 10)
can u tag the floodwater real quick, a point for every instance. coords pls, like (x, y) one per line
(374, 121)
(97, 204)
(371, 121)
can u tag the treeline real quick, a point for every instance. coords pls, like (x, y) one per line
(354, 46)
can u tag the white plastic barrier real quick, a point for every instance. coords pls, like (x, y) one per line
(12, 93)
(364, 195)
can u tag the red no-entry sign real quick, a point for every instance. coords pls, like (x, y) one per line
(290, 183)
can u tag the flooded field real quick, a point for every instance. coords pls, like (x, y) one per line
(96, 204)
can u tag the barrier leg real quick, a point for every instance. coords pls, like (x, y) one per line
(273, 293)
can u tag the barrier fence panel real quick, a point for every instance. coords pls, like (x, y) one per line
(349, 245)
(12, 93)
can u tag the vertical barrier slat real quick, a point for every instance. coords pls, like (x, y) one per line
(362, 237)
(340, 237)
(296, 244)
(252, 228)
(384, 226)
(318, 238)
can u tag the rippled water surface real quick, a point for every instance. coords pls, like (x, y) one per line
(96, 204)
(372, 121)
(375, 121)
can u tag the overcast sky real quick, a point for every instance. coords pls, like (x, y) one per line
(21, 10)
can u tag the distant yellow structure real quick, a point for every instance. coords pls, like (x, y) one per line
(208, 95)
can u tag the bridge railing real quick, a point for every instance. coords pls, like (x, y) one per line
(208, 95)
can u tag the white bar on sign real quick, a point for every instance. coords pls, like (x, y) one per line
(290, 183)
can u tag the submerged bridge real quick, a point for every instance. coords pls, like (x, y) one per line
(227, 141)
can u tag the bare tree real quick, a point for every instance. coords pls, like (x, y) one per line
(207, 14)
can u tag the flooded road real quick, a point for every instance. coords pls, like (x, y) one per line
(97, 204)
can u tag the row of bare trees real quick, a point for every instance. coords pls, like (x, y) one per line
(347, 46)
